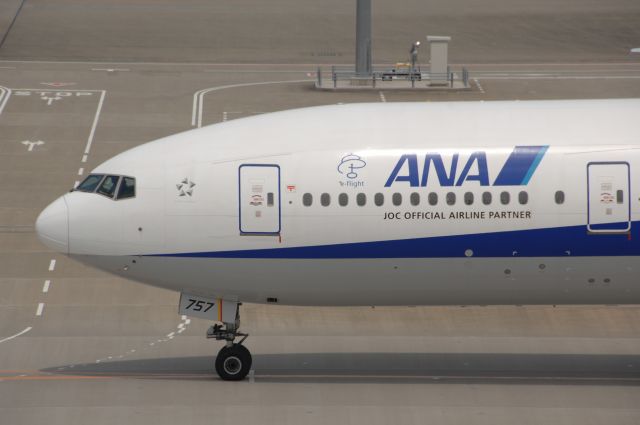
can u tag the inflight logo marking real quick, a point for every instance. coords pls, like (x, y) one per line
(349, 164)
(516, 171)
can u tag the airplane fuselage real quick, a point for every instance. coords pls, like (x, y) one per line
(394, 204)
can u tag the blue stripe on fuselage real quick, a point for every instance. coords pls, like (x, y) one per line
(520, 165)
(551, 242)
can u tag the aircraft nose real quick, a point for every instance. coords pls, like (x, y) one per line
(52, 226)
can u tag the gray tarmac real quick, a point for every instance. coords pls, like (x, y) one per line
(80, 346)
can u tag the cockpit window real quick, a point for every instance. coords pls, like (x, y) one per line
(127, 188)
(108, 186)
(90, 183)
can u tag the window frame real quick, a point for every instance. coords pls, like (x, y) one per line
(120, 183)
(115, 190)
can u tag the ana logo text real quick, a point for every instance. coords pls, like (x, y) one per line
(516, 171)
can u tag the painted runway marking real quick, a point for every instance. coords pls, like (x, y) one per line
(5, 93)
(475, 80)
(39, 310)
(87, 149)
(52, 265)
(198, 97)
(58, 84)
(30, 145)
(81, 171)
(181, 328)
(16, 335)
(76, 184)
(111, 69)
(50, 100)
(561, 77)
(84, 158)
(382, 97)
(45, 288)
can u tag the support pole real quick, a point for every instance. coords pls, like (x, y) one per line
(363, 38)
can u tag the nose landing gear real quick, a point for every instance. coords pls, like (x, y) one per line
(233, 362)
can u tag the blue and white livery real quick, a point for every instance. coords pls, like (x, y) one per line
(531, 202)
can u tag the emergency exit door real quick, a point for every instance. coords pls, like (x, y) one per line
(609, 203)
(259, 199)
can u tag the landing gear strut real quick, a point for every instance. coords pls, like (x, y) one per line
(234, 359)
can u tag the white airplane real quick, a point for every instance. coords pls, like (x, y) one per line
(463, 203)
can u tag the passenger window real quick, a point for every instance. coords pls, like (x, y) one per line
(270, 199)
(127, 188)
(90, 183)
(486, 198)
(361, 199)
(433, 198)
(468, 198)
(396, 199)
(414, 199)
(343, 199)
(523, 197)
(378, 199)
(505, 197)
(559, 197)
(451, 198)
(619, 196)
(307, 199)
(108, 186)
(325, 199)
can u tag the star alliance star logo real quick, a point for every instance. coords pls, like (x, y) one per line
(185, 187)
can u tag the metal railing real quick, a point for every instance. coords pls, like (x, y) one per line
(385, 74)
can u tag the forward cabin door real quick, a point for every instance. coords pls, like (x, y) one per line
(259, 195)
(609, 205)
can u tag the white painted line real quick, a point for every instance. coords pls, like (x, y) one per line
(171, 335)
(181, 330)
(45, 288)
(564, 77)
(194, 109)
(198, 97)
(187, 321)
(84, 158)
(382, 97)
(180, 325)
(41, 90)
(81, 171)
(87, 149)
(6, 93)
(475, 80)
(111, 69)
(184, 317)
(39, 310)
(52, 265)
(16, 335)
(76, 184)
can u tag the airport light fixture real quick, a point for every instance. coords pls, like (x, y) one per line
(414, 55)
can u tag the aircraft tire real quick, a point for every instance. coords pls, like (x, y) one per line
(233, 363)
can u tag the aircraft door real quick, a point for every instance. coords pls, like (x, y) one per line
(609, 205)
(259, 196)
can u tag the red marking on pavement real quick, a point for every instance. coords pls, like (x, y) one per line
(58, 84)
